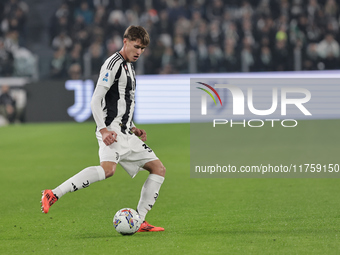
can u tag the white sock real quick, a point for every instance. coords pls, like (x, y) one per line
(81, 180)
(149, 194)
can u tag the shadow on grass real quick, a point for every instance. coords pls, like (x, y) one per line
(115, 234)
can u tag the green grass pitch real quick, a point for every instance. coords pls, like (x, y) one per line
(200, 216)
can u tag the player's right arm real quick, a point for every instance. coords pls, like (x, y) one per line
(105, 81)
(99, 93)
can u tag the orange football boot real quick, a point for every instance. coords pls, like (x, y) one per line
(146, 227)
(47, 199)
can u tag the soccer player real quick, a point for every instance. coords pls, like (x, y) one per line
(120, 141)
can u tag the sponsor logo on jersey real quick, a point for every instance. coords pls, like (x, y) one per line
(106, 77)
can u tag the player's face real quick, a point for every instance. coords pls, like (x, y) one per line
(133, 49)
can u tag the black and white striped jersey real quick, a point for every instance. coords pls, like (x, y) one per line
(119, 102)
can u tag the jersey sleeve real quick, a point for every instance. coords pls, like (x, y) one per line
(97, 112)
(108, 72)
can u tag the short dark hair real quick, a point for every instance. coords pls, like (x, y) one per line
(134, 33)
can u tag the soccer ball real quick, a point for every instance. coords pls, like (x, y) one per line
(127, 221)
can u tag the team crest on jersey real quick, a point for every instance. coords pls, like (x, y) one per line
(106, 77)
(125, 67)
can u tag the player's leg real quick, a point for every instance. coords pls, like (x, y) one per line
(85, 177)
(150, 191)
(155, 167)
(79, 181)
(109, 158)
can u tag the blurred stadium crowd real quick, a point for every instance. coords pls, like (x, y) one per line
(187, 36)
(15, 59)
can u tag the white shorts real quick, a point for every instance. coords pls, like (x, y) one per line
(129, 151)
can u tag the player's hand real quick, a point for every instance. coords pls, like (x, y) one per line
(109, 137)
(140, 133)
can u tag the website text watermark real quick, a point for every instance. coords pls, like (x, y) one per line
(269, 168)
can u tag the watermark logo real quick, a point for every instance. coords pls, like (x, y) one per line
(239, 98)
(204, 97)
(293, 96)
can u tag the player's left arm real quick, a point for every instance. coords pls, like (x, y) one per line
(139, 132)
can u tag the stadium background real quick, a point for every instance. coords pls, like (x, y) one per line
(45, 44)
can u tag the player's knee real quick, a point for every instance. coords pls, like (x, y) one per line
(109, 173)
(155, 167)
(109, 168)
(160, 170)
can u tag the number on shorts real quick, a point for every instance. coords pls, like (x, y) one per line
(146, 147)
